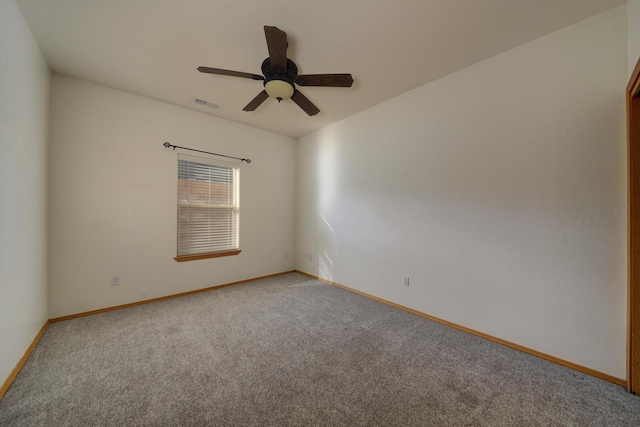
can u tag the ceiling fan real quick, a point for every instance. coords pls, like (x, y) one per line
(281, 75)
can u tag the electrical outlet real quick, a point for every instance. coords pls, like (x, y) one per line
(286, 256)
(115, 280)
(309, 257)
(405, 280)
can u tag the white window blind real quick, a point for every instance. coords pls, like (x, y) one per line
(208, 206)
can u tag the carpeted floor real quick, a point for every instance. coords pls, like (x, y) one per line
(289, 351)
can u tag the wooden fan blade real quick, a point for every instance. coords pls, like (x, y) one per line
(230, 73)
(255, 102)
(305, 104)
(277, 44)
(334, 80)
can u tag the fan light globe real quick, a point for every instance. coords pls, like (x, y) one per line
(279, 89)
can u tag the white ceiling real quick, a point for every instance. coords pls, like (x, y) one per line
(153, 47)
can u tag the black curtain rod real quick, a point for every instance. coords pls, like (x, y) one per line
(166, 144)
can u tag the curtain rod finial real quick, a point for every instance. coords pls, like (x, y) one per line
(167, 145)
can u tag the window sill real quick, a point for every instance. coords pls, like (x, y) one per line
(206, 256)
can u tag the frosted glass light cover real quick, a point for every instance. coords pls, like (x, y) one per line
(279, 89)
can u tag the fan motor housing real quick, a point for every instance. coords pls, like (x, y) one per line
(269, 71)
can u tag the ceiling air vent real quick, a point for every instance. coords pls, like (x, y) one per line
(205, 103)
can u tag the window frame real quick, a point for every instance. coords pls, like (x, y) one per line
(235, 208)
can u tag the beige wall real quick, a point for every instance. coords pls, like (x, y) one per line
(24, 99)
(634, 33)
(113, 192)
(500, 190)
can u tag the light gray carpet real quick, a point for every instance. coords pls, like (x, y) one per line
(289, 351)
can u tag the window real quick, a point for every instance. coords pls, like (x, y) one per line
(208, 208)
